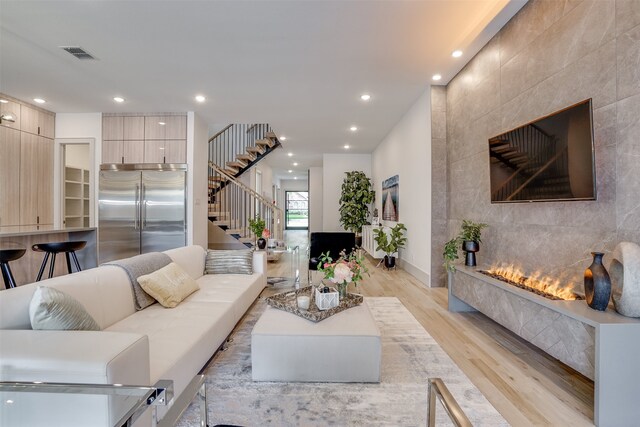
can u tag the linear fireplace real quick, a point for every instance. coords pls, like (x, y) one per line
(603, 346)
(536, 283)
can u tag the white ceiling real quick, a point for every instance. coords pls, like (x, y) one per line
(298, 65)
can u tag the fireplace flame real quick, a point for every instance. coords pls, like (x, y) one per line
(536, 282)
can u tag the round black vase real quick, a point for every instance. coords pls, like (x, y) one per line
(389, 262)
(470, 247)
(597, 284)
(262, 243)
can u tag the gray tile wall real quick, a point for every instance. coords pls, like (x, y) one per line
(552, 54)
(438, 183)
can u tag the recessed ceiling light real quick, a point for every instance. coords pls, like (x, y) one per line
(456, 53)
(295, 163)
(295, 177)
(290, 171)
(353, 128)
(436, 77)
(347, 146)
(118, 99)
(200, 98)
(289, 154)
(161, 123)
(39, 100)
(4, 101)
(283, 138)
(8, 401)
(365, 97)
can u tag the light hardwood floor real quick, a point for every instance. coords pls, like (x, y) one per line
(524, 384)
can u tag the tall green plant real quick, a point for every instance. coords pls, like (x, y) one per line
(357, 195)
(395, 241)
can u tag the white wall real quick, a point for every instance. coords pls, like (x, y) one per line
(78, 156)
(85, 126)
(333, 174)
(406, 151)
(197, 176)
(315, 199)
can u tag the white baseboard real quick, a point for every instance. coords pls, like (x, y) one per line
(422, 276)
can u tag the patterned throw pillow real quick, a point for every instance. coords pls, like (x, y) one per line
(237, 261)
(169, 285)
(52, 309)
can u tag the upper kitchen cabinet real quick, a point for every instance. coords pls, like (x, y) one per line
(37, 122)
(133, 128)
(9, 114)
(112, 128)
(165, 127)
(122, 139)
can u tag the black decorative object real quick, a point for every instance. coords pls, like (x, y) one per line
(597, 284)
(470, 247)
(262, 243)
(389, 262)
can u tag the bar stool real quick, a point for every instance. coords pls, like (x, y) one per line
(54, 248)
(7, 255)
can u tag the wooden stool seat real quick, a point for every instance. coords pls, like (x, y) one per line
(54, 248)
(7, 255)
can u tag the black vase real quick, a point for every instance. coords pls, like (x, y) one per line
(262, 243)
(470, 247)
(389, 262)
(597, 284)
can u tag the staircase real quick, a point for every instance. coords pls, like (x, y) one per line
(537, 167)
(233, 151)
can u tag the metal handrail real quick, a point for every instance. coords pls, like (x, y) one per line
(438, 389)
(219, 133)
(242, 185)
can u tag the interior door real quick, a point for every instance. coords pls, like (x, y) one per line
(163, 210)
(119, 215)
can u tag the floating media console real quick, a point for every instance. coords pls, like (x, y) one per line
(603, 346)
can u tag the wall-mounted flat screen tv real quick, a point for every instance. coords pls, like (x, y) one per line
(550, 159)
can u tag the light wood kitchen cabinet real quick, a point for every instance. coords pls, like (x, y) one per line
(12, 109)
(165, 127)
(36, 183)
(157, 151)
(133, 128)
(175, 151)
(133, 151)
(112, 151)
(9, 178)
(37, 122)
(112, 129)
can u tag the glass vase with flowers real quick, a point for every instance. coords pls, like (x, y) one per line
(344, 270)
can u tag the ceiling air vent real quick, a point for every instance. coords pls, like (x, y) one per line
(78, 52)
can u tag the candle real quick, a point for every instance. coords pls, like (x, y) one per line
(303, 302)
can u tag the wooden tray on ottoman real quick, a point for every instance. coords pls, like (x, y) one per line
(288, 301)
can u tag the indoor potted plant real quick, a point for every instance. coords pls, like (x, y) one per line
(346, 269)
(257, 225)
(391, 243)
(469, 240)
(357, 194)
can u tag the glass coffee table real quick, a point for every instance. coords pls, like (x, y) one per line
(293, 279)
(112, 405)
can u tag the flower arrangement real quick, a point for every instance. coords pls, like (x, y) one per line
(346, 269)
(266, 233)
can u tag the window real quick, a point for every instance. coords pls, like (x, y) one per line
(297, 210)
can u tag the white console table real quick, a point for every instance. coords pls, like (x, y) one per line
(368, 242)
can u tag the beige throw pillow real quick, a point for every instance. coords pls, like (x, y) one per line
(234, 261)
(51, 309)
(169, 285)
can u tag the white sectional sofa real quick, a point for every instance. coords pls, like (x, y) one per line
(133, 347)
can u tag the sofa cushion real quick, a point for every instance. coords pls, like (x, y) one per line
(168, 285)
(190, 258)
(237, 261)
(54, 310)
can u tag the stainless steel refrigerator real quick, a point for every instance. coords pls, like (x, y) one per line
(142, 208)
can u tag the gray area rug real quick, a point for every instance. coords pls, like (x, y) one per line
(409, 357)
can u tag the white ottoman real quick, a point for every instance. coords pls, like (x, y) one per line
(346, 347)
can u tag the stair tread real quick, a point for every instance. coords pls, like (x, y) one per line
(270, 134)
(254, 150)
(247, 157)
(264, 142)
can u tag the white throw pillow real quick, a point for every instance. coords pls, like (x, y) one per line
(51, 309)
(169, 285)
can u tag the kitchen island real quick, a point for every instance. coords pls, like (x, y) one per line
(25, 270)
